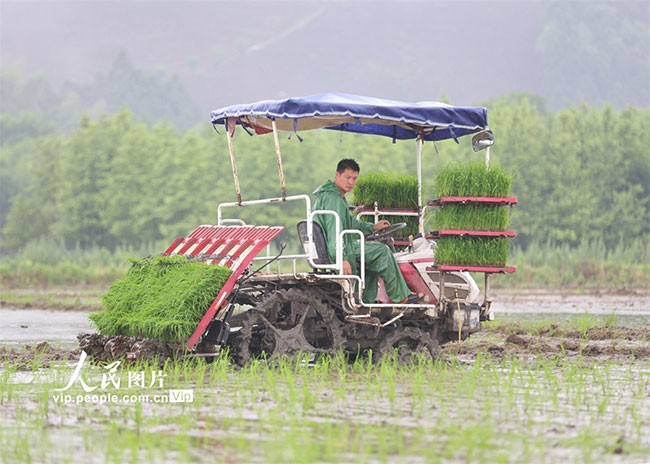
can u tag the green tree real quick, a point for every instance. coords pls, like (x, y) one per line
(581, 173)
(81, 197)
(32, 206)
(128, 190)
(521, 147)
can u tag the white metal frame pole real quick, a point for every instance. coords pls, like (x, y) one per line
(487, 157)
(420, 141)
(279, 157)
(232, 163)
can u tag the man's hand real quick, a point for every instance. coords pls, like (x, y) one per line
(347, 269)
(381, 225)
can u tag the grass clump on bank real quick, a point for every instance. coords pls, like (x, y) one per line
(162, 297)
(389, 191)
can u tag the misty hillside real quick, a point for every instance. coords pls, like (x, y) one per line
(214, 54)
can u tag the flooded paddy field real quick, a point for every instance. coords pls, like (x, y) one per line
(552, 380)
(626, 307)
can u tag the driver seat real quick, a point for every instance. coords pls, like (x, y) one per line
(319, 244)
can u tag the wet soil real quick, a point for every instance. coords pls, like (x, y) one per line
(508, 340)
(42, 354)
(530, 324)
(514, 340)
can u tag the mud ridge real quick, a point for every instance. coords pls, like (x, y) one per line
(513, 340)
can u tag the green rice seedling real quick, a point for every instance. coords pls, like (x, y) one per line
(486, 410)
(389, 191)
(163, 297)
(469, 217)
(610, 320)
(472, 179)
(472, 250)
(477, 180)
(584, 323)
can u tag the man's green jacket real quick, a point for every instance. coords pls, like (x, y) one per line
(379, 261)
(329, 198)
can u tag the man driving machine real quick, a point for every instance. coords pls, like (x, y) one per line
(379, 260)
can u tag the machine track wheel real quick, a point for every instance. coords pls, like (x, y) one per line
(409, 343)
(255, 339)
(287, 322)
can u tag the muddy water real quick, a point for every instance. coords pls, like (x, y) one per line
(545, 302)
(629, 309)
(27, 326)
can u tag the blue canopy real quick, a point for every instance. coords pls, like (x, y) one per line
(352, 113)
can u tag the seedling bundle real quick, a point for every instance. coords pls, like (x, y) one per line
(473, 180)
(390, 191)
(161, 297)
(476, 181)
(470, 217)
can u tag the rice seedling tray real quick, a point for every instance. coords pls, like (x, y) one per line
(238, 244)
(471, 251)
(463, 200)
(472, 180)
(472, 268)
(177, 295)
(161, 297)
(473, 233)
(381, 210)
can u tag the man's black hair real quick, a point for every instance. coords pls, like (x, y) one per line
(347, 164)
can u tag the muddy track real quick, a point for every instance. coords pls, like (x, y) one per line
(617, 344)
(43, 354)
(598, 343)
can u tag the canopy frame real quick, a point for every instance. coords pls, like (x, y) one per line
(349, 113)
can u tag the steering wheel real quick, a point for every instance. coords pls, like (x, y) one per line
(385, 232)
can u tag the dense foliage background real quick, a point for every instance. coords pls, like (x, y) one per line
(582, 174)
